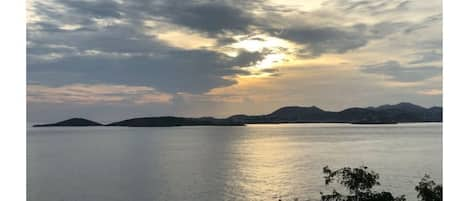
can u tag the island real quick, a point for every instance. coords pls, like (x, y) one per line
(169, 121)
(75, 122)
(384, 114)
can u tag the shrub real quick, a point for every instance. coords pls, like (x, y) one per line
(359, 182)
(428, 190)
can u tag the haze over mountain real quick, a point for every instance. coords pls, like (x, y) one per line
(398, 113)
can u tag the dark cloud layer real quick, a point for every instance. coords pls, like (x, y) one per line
(319, 40)
(207, 17)
(109, 43)
(402, 73)
(98, 9)
(193, 71)
(122, 53)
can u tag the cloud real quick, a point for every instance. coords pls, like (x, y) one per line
(426, 57)
(47, 14)
(217, 19)
(191, 48)
(186, 40)
(425, 23)
(124, 38)
(431, 92)
(96, 9)
(374, 7)
(397, 72)
(210, 17)
(65, 48)
(93, 94)
(194, 71)
(319, 40)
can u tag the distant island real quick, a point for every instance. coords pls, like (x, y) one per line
(78, 122)
(175, 121)
(385, 114)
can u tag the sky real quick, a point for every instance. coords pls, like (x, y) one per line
(108, 60)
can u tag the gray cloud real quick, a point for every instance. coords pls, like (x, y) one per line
(428, 21)
(110, 44)
(325, 39)
(426, 57)
(57, 13)
(193, 71)
(216, 17)
(124, 54)
(121, 52)
(319, 40)
(120, 39)
(374, 7)
(245, 58)
(207, 17)
(402, 73)
(92, 94)
(97, 9)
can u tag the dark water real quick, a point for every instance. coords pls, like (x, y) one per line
(258, 162)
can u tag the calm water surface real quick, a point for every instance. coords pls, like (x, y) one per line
(255, 162)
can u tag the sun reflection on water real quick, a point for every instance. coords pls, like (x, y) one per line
(264, 167)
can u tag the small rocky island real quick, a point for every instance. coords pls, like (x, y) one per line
(75, 122)
(385, 114)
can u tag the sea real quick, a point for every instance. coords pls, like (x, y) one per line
(218, 163)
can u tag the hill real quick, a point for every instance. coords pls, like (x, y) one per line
(402, 112)
(174, 121)
(75, 122)
(384, 114)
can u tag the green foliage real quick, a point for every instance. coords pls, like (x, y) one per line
(428, 190)
(359, 182)
(356, 179)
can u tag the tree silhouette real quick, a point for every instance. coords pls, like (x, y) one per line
(428, 190)
(359, 182)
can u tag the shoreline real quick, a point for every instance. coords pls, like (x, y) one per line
(247, 124)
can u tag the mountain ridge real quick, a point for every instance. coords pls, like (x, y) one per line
(403, 112)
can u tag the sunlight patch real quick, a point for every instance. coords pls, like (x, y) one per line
(186, 40)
